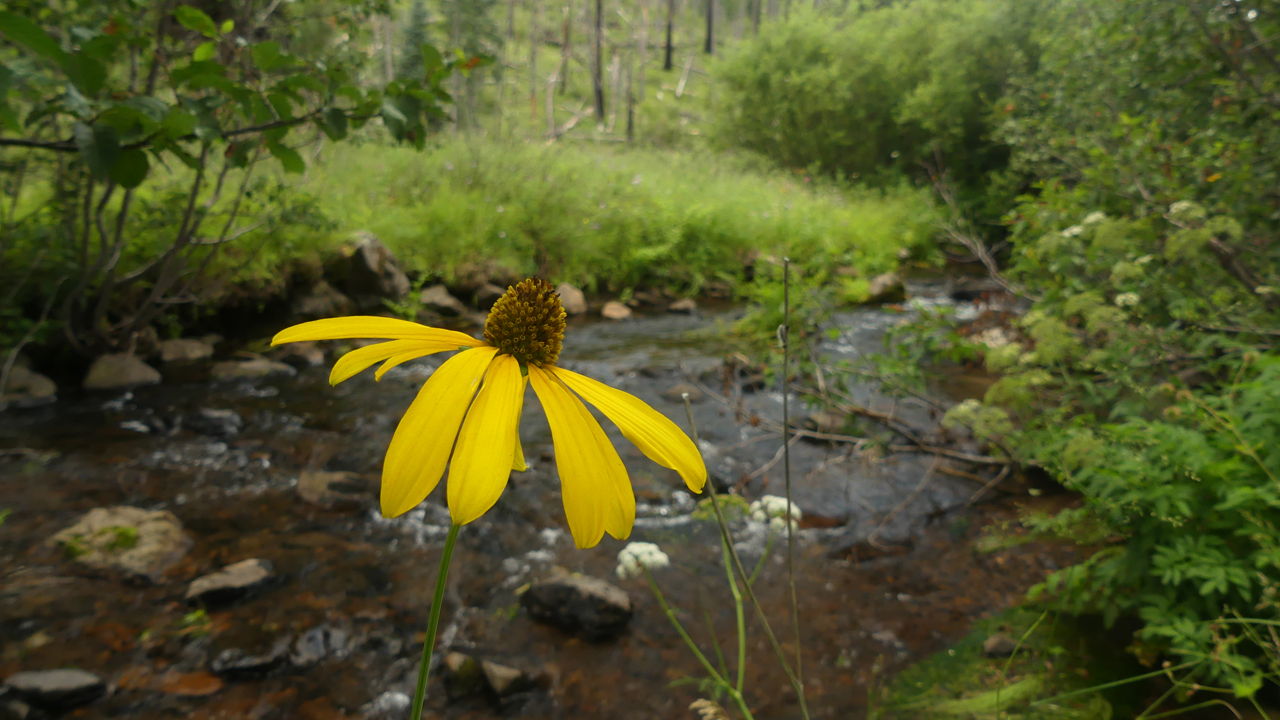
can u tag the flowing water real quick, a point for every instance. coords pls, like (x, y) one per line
(885, 570)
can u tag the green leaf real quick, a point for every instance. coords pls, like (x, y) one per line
(204, 51)
(194, 70)
(25, 32)
(131, 168)
(431, 58)
(238, 153)
(268, 56)
(6, 81)
(334, 123)
(194, 19)
(228, 26)
(99, 147)
(280, 102)
(289, 158)
(178, 123)
(86, 73)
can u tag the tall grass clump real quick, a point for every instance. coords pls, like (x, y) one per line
(609, 220)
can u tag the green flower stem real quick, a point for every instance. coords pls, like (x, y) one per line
(742, 624)
(433, 623)
(706, 664)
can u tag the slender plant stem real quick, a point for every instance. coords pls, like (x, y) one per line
(742, 624)
(693, 647)
(433, 623)
(786, 458)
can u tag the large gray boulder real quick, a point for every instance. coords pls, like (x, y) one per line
(119, 371)
(140, 544)
(594, 608)
(27, 388)
(368, 272)
(184, 350)
(573, 300)
(886, 288)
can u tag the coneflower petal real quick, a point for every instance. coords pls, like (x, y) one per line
(370, 326)
(482, 462)
(593, 481)
(656, 436)
(423, 441)
(357, 360)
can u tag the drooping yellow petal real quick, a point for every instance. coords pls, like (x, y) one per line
(518, 464)
(485, 453)
(401, 350)
(593, 481)
(656, 436)
(369, 326)
(424, 439)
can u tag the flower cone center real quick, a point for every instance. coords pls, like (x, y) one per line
(528, 323)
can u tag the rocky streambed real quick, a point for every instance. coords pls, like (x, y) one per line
(209, 547)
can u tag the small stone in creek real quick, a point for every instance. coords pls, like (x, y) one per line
(998, 646)
(684, 306)
(614, 310)
(231, 583)
(56, 689)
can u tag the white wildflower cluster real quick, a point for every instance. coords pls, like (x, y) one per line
(1094, 218)
(1128, 299)
(772, 509)
(637, 556)
(1073, 231)
(1181, 206)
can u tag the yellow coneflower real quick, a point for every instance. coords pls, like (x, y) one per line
(476, 434)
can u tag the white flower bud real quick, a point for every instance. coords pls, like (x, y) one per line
(637, 556)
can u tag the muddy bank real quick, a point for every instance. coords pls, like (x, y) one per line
(336, 628)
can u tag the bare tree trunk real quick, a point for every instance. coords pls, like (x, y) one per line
(533, 59)
(388, 58)
(671, 11)
(566, 51)
(615, 89)
(596, 69)
(631, 104)
(643, 46)
(756, 7)
(711, 25)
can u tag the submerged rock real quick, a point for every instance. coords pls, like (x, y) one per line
(215, 422)
(231, 583)
(463, 676)
(589, 606)
(241, 663)
(184, 350)
(334, 489)
(118, 371)
(251, 369)
(27, 388)
(141, 544)
(614, 310)
(505, 680)
(317, 644)
(56, 689)
(574, 302)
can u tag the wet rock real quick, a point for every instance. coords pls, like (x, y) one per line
(321, 301)
(998, 646)
(300, 354)
(195, 684)
(505, 680)
(235, 663)
(334, 489)
(886, 288)
(231, 583)
(676, 392)
(614, 310)
(487, 295)
(368, 272)
(141, 544)
(215, 422)
(648, 297)
(389, 705)
(684, 306)
(251, 369)
(27, 388)
(184, 350)
(118, 371)
(437, 299)
(827, 421)
(579, 604)
(574, 302)
(317, 644)
(15, 709)
(56, 689)
(463, 676)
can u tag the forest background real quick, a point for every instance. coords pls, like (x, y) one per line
(1113, 164)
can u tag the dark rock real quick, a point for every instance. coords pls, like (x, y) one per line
(231, 583)
(215, 422)
(505, 680)
(676, 392)
(487, 295)
(886, 288)
(614, 310)
(56, 689)
(437, 299)
(141, 544)
(251, 369)
(368, 272)
(578, 604)
(184, 350)
(27, 388)
(334, 489)
(648, 297)
(685, 306)
(300, 354)
(998, 646)
(118, 371)
(317, 644)
(321, 301)
(15, 709)
(574, 302)
(463, 676)
(245, 664)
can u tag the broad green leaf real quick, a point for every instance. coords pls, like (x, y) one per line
(334, 123)
(204, 51)
(228, 26)
(179, 123)
(131, 168)
(237, 153)
(6, 81)
(8, 118)
(99, 147)
(431, 58)
(282, 105)
(268, 56)
(88, 74)
(289, 158)
(24, 32)
(102, 47)
(194, 70)
(153, 108)
(194, 19)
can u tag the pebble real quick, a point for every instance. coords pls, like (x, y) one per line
(56, 689)
(231, 583)
(614, 310)
(241, 664)
(334, 489)
(685, 306)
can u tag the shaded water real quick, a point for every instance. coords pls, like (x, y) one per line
(357, 587)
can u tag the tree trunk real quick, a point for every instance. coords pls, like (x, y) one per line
(711, 25)
(644, 47)
(631, 103)
(671, 11)
(756, 7)
(596, 69)
(533, 59)
(566, 51)
(388, 60)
